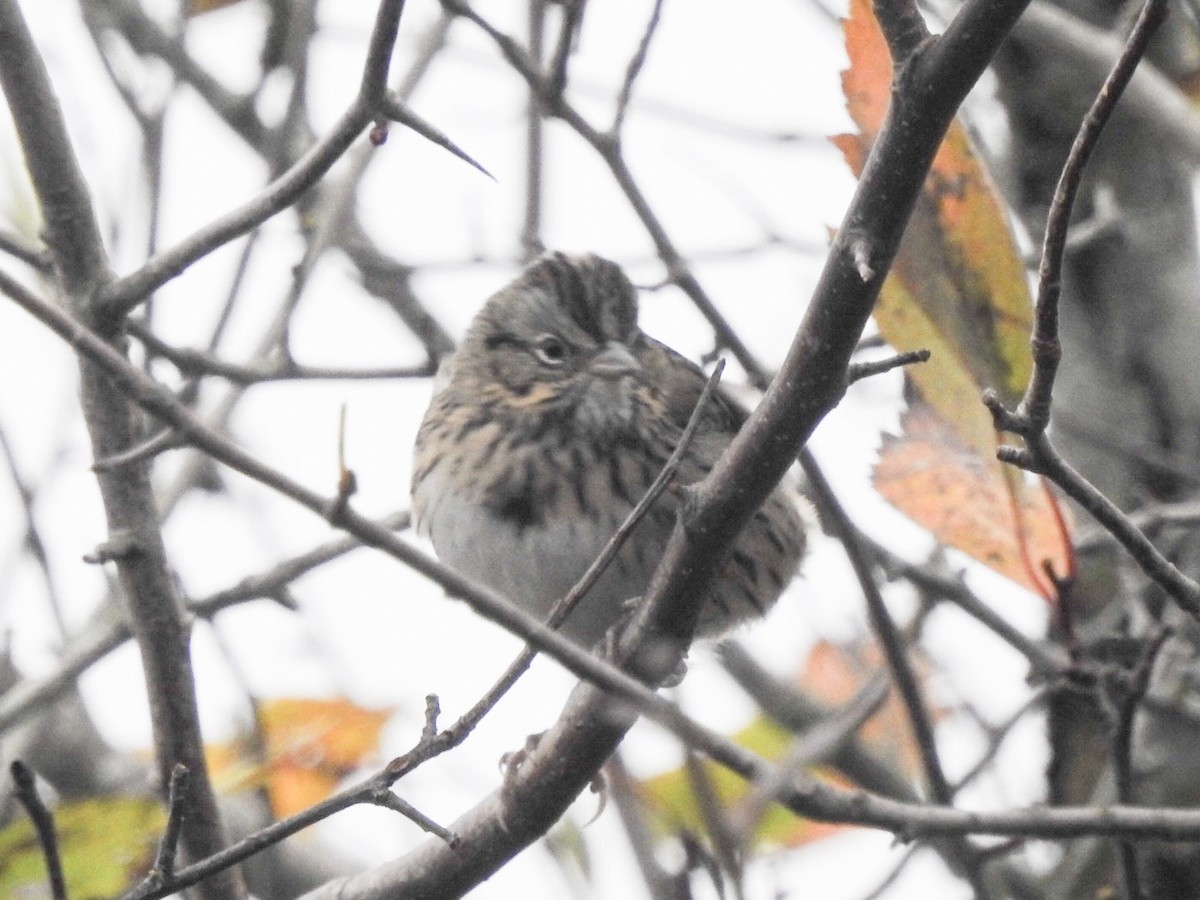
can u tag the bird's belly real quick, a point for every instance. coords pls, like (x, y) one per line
(536, 564)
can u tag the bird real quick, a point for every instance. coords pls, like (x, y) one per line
(546, 427)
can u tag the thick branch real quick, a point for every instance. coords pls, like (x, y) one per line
(147, 586)
(70, 222)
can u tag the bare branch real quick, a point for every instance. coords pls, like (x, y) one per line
(194, 363)
(1034, 409)
(70, 222)
(146, 581)
(374, 790)
(26, 792)
(163, 869)
(1041, 457)
(1130, 695)
(887, 634)
(634, 69)
(388, 800)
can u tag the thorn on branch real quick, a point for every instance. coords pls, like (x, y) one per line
(285, 598)
(397, 111)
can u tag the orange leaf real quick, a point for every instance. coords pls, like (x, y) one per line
(310, 746)
(339, 733)
(200, 7)
(867, 84)
(957, 288)
(971, 502)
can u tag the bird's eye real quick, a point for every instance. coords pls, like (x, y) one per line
(550, 350)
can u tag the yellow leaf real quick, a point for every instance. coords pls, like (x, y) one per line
(673, 806)
(105, 845)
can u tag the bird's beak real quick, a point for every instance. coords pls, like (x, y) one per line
(614, 361)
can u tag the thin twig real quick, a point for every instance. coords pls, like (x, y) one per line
(33, 537)
(859, 371)
(1032, 416)
(1132, 691)
(392, 801)
(885, 883)
(374, 790)
(821, 742)
(886, 632)
(1047, 351)
(26, 792)
(531, 221)
(158, 443)
(196, 363)
(892, 644)
(1041, 457)
(798, 712)
(33, 255)
(660, 885)
(724, 844)
(634, 69)
(996, 736)
(568, 35)
(164, 864)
